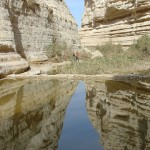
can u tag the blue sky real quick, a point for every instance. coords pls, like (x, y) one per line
(76, 7)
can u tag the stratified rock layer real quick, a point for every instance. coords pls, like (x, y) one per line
(120, 112)
(12, 62)
(121, 21)
(32, 113)
(29, 26)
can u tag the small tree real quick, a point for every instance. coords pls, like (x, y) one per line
(143, 44)
(109, 49)
(58, 52)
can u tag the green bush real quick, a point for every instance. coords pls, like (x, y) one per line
(58, 52)
(54, 50)
(142, 45)
(109, 49)
(84, 55)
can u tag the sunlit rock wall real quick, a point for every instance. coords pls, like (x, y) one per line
(32, 113)
(10, 60)
(120, 112)
(29, 26)
(121, 21)
(41, 22)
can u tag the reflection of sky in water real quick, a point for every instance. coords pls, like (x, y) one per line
(78, 133)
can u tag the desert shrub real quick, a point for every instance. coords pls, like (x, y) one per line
(142, 45)
(54, 50)
(58, 52)
(109, 49)
(84, 55)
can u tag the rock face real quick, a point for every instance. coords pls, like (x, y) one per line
(32, 113)
(120, 112)
(121, 21)
(29, 26)
(10, 60)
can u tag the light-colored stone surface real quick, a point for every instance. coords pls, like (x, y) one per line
(120, 112)
(7, 41)
(32, 113)
(12, 62)
(121, 21)
(41, 24)
(28, 26)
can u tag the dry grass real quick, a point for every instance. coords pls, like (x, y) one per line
(84, 55)
(115, 60)
(117, 64)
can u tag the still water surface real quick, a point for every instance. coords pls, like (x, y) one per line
(77, 132)
(72, 115)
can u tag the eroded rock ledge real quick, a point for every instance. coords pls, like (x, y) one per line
(121, 21)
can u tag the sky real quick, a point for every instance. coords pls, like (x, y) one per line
(76, 8)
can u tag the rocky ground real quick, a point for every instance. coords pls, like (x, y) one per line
(49, 70)
(41, 72)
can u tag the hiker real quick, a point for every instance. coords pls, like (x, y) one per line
(74, 56)
(77, 56)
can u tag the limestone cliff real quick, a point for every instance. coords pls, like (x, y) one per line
(119, 21)
(120, 113)
(28, 26)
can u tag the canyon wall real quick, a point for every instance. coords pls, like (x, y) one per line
(10, 60)
(28, 27)
(32, 113)
(120, 112)
(121, 21)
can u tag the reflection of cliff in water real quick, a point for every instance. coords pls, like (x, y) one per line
(32, 113)
(120, 111)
